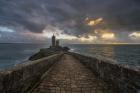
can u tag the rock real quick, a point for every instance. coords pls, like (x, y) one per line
(48, 51)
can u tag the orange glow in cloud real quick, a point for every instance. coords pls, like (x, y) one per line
(108, 36)
(92, 22)
(105, 34)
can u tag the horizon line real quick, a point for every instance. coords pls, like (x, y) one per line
(73, 43)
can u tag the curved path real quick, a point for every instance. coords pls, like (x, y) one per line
(70, 76)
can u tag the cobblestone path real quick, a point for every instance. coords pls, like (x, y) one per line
(70, 76)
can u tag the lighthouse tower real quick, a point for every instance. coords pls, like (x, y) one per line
(53, 41)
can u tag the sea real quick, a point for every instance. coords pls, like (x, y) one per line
(12, 54)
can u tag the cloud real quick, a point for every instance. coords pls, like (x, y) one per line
(68, 18)
(108, 36)
(92, 22)
(5, 29)
(134, 35)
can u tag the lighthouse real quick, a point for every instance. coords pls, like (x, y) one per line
(53, 41)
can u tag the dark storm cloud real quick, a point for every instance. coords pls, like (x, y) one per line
(69, 15)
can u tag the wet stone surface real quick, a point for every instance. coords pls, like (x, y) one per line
(70, 76)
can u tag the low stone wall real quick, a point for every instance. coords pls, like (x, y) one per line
(22, 77)
(123, 79)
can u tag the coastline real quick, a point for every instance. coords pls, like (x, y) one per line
(107, 70)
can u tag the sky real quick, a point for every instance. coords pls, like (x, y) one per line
(72, 21)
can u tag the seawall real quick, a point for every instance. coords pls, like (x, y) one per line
(23, 77)
(123, 79)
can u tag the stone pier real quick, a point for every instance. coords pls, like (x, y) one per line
(70, 76)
